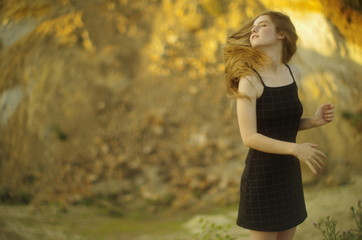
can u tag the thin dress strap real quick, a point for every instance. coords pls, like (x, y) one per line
(260, 77)
(290, 72)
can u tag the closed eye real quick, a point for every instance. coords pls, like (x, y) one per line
(261, 24)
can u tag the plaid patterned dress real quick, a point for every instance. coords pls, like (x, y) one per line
(271, 191)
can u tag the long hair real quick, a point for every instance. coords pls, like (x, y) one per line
(241, 58)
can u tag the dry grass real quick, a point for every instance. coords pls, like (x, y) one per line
(81, 222)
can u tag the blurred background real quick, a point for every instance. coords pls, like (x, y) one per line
(121, 105)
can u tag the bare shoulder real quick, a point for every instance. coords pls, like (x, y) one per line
(250, 86)
(296, 72)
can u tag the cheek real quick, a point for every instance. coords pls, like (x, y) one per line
(269, 34)
(269, 31)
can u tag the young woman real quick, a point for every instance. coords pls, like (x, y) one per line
(269, 116)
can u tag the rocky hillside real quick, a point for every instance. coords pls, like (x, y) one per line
(124, 101)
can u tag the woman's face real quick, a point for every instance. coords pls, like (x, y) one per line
(263, 32)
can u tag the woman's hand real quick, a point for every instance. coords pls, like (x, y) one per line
(324, 114)
(310, 155)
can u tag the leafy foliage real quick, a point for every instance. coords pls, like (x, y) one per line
(328, 227)
(213, 231)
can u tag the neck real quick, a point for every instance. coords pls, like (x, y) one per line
(275, 63)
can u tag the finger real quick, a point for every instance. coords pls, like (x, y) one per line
(328, 108)
(330, 105)
(313, 145)
(321, 154)
(324, 109)
(332, 109)
(329, 113)
(328, 119)
(318, 162)
(319, 159)
(311, 168)
(325, 106)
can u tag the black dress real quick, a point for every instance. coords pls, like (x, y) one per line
(271, 191)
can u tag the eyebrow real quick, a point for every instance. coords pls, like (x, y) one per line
(261, 22)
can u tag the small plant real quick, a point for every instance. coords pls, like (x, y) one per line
(357, 215)
(212, 231)
(328, 227)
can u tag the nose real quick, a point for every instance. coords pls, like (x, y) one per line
(254, 29)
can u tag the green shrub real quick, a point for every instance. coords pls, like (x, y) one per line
(212, 231)
(328, 227)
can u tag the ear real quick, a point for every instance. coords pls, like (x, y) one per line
(281, 36)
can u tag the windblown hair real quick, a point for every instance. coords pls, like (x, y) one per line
(240, 58)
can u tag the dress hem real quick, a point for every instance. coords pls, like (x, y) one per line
(273, 229)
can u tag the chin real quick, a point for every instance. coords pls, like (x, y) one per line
(255, 45)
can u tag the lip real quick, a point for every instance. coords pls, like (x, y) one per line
(253, 36)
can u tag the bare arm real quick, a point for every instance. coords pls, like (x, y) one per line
(246, 112)
(322, 116)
